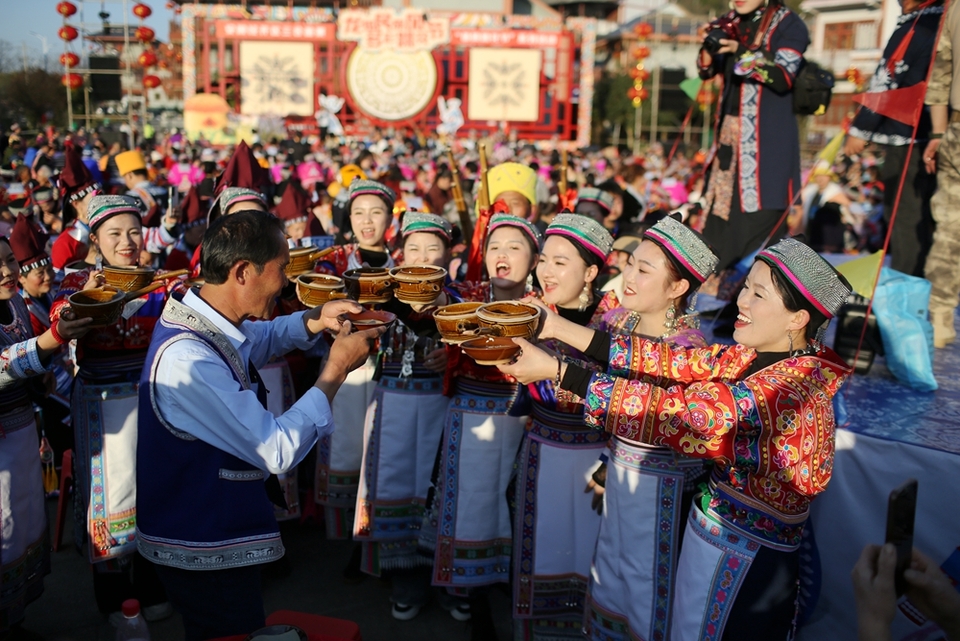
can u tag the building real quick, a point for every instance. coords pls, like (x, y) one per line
(847, 35)
(516, 64)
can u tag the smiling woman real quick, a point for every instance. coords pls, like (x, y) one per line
(760, 410)
(105, 408)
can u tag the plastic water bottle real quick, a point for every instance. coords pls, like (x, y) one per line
(133, 627)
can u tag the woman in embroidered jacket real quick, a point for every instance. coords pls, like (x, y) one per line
(760, 410)
(756, 171)
(469, 528)
(403, 427)
(649, 489)
(555, 527)
(339, 454)
(24, 557)
(104, 411)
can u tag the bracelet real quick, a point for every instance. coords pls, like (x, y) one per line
(936, 136)
(556, 384)
(56, 335)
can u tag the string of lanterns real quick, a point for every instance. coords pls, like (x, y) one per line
(637, 93)
(146, 35)
(68, 33)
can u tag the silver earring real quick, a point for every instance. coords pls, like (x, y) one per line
(671, 321)
(584, 297)
(529, 286)
(789, 336)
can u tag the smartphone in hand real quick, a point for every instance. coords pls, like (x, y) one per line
(901, 512)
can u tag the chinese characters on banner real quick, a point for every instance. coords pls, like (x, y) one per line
(385, 29)
(254, 30)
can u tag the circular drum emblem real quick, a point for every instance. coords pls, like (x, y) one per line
(389, 85)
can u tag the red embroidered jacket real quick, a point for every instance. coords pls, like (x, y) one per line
(771, 434)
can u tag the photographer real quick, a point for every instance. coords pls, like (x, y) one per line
(758, 48)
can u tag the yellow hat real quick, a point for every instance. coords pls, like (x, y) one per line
(130, 161)
(347, 174)
(512, 176)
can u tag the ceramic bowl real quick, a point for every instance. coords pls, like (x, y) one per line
(490, 350)
(317, 289)
(509, 318)
(129, 279)
(102, 305)
(302, 260)
(419, 285)
(370, 319)
(368, 285)
(456, 321)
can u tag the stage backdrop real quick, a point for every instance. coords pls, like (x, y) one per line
(277, 78)
(504, 84)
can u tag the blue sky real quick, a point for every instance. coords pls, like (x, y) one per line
(19, 17)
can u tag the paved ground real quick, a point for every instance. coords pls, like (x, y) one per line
(310, 582)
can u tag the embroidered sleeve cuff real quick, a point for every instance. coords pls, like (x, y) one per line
(23, 361)
(617, 406)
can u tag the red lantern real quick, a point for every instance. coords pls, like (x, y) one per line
(69, 59)
(72, 80)
(633, 93)
(142, 11)
(643, 29)
(644, 94)
(147, 59)
(144, 34)
(66, 9)
(641, 52)
(639, 74)
(68, 33)
(151, 82)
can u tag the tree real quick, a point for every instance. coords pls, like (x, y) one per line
(31, 95)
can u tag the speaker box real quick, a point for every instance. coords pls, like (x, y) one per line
(105, 86)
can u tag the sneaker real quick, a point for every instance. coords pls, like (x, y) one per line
(158, 612)
(460, 611)
(402, 612)
(458, 607)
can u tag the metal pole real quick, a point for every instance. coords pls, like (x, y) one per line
(637, 128)
(126, 67)
(655, 111)
(43, 45)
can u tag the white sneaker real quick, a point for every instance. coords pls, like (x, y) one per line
(403, 612)
(158, 612)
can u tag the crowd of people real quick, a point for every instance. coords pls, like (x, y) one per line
(622, 476)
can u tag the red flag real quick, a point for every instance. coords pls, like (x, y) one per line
(477, 245)
(904, 105)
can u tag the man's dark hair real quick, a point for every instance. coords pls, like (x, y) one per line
(249, 234)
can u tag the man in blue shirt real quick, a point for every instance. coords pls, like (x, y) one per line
(207, 443)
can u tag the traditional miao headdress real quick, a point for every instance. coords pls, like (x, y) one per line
(28, 243)
(294, 205)
(104, 207)
(416, 221)
(509, 220)
(242, 180)
(232, 195)
(512, 176)
(361, 187)
(75, 180)
(598, 196)
(584, 231)
(685, 246)
(192, 208)
(813, 277)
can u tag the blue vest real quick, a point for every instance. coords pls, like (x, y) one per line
(198, 507)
